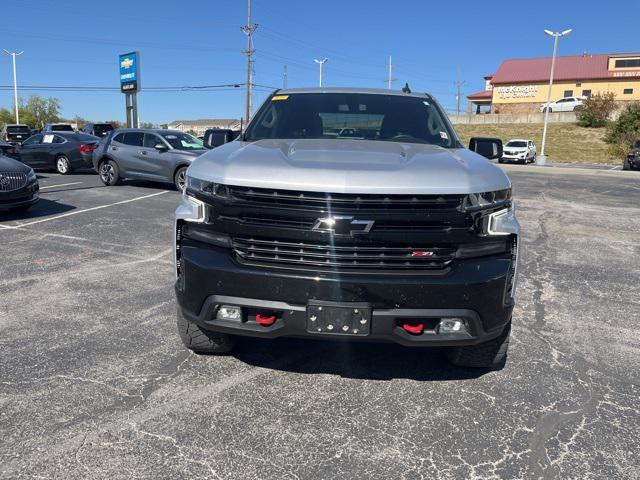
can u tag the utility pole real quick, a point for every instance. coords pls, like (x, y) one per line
(284, 77)
(15, 83)
(390, 78)
(458, 84)
(542, 158)
(321, 62)
(248, 30)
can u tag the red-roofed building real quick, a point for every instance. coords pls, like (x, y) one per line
(522, 85)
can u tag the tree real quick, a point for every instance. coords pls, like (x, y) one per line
(622, 132)
(37, 111)
(146, 125)
(596, 110)
(6, 116)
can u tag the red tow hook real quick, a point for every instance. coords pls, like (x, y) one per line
(265, 320)
(414, 329)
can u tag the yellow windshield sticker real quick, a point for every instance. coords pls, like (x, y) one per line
(279, 97)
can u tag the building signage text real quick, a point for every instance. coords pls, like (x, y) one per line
(517, 91)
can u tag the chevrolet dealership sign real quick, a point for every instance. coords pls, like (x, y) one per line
(129, 72)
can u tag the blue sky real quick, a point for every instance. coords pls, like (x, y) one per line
(198, 42)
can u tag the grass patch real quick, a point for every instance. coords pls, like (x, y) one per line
(566, 142)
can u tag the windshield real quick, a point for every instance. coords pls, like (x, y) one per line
(183, 141)
(61, 128)
(354, 116)
(516, 144)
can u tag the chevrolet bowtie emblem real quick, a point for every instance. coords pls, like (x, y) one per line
(126, 63)
(343, 225)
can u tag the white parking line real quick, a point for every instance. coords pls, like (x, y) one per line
(61, 185)
(84, 210)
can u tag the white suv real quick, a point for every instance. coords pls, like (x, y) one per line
(519, 151)
(567, 104)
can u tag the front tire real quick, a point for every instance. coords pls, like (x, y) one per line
(180, 179)
(203, 341)
(63, 165)
(109, 173)
(626, 165)
(491, 354)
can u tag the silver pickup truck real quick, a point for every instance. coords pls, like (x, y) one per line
(349, 214)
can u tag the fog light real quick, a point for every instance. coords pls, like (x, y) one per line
(229, 312)
(452, 325)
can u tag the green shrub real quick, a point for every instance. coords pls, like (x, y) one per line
(596, 110)
(623, 132)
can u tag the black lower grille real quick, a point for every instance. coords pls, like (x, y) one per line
(273, 252)
(338, 201)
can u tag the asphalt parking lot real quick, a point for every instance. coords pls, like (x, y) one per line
(94, 382)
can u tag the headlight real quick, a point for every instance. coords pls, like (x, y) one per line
(481, 201)
(31, 176)
(503, 222)
(197, 186)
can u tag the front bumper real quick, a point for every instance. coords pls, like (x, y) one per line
(513, 158)
(19, 198)
(473, 290)
(634, 160)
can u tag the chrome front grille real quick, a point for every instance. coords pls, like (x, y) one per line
(10, 181)
(275, 252)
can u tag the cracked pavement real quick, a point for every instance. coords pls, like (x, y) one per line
(94, 382)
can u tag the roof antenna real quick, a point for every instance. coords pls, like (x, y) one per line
(406, 88)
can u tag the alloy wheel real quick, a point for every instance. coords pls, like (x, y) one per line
(107, 173)
(181, 179)
(62, 165)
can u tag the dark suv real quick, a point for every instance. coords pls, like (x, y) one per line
(633, 157)
(14, 133)
(348, 214)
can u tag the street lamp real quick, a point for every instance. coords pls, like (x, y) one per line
(15, 84)
(542, 159)
(321, 62)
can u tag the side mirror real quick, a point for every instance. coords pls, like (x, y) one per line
(214, 137)
(487, 147)
(161, 147)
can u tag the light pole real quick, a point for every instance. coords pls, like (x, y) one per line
(15, 83)
(321, 62)
(542, 159)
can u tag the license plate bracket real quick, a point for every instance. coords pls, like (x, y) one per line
(339, 318)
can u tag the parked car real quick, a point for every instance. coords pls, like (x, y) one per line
(15, 133)
(146, 154)
(98, 129)
(567, 104)
(9, 150)
(62, 151)
(633, 158)
(18, 185)
(404, 237)
(519, 151)
(58, 127)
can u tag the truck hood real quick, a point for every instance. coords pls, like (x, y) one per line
(349, 166)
